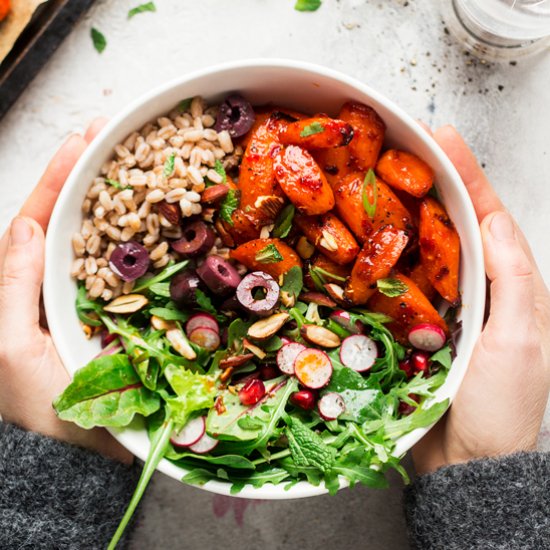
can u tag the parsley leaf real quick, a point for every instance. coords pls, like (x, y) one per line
(370, 180)
(391, 287)
(169, 165)
(269, 255)
(312, 129)
(185, 104)
(307, 5)
(149, 6)
(116, 184)
(283, 223)
(218, 167)
(98, 39)
(228, 206)
(443, 356)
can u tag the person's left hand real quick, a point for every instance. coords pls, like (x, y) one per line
(31, 373)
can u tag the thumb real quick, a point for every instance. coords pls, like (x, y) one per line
(512, 279)
(21, 277)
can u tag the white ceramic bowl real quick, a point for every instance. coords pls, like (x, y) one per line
(294, 84)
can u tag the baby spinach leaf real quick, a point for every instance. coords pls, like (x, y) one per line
(147, 368)
(443, 357)
(250, 423)
(198, 476)
(238, 329)
(360, 403)
(235, 461)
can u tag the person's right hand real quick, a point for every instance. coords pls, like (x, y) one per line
(501, 403)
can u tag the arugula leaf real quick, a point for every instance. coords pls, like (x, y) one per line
(317, 279)
(85, 306)
(250, 423)
(269, 255)
(365, 475)
(169, 165)
(228, 206)
(169, 313)
(420, 418)
(307, 5)
(219, 169)
(443, 357)
(147, 367)
(145, 282)
(160, 289)
(391, 287)
(293, 281)
(283, 223)
(257, 479)
(205, 303)
(184, 104)
(189, 460)
(149, 6)
(370, 181)
(98, 39)
(312, 129)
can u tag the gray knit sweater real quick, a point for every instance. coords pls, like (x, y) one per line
(55, 496)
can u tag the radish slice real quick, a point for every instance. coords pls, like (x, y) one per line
(205, 338)
(201, 320)
(190, 433)
(358, 352)
(331, 406)
(204, 445)
(344, 320)
(427, 337)
(313, 368)
(287, 355)
(286, 340)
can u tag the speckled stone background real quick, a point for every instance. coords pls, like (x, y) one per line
(401, 48)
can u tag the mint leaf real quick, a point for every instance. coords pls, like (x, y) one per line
(443, 357)
(228, 206)
(307, 5)
(312, 129)
(269, 255)
(391, 287)
(283, 223)
(370, 181)
(98, 39)
(149, 6)
(169, 165)
(218, 168)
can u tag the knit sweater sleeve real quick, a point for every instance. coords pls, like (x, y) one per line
(484, 504)
(55, 495)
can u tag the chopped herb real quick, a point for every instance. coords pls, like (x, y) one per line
(115, 183)
(169, 165)
(185, 104)
(149, 6)
(307, 5)
(283, 223)
(318, 279)
(322, 273)
(228, 206)
(269, 255)
(218, 167)
(370, 180)
(312, 129)
(205, 303)
(99, 40)
(391, 287)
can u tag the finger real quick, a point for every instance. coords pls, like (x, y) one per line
(21, 278)
(95, 127)
(483, 196)
(41, 201)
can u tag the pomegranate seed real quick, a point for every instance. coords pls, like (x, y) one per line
(404, 408)
(420, 361)
(305, 399)
(252, 392)
(407, 367)
(267, 372)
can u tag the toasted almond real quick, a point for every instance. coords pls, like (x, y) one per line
(317, 298)
(266, 231)
(287, 299)
(161, 324)
(226, 375)
(129, 303)
(328, 241)
(269, 205)
(236, 361)
(304, 248)
(171, 211)
(180, 343)
(336, 292)
(258, 352)
(265, 328)
(87, 330)
(320, 336)
(224, 234)
(214, 193)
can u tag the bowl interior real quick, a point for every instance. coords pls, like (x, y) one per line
(293, 84)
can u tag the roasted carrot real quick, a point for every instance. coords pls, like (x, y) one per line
(406, 172)
(303, 182)
(439, 249)
(368, 133)
(375, 261)
(335, 163)
(272, 256)
(4, 8)
(407, 310)
(242, 229)
(349, 205)
(329, 271)
(418, 275)
(319, 132)
(330, 236)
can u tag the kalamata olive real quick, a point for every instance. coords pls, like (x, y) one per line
(197, 240)
(258, 282)
(219, 275)
(184, 286)
(129, 261)
(236, 116)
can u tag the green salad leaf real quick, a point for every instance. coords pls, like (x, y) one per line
(283, 223)
(269, 255)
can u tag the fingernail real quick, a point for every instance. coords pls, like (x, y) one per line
(21, 232)
(502, 227)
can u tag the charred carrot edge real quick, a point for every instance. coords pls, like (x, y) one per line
(406, 172)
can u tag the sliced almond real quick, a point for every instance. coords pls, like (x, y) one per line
(161, 324)
(87, 330)
(224, 234)
(328, 241)
(269, 205)
(129, 303)
(320, 336)
(268, 327)
(226, 375)
(258, 352)
(214, 193)
(180, 343)
(336, 292)
(287, 299)
(304, 248)
(171, 211)
(236, 361)
(317, 298)
(266, 231)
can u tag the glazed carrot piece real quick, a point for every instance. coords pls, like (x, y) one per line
(242, 230)
(4, 8)
(408, 310)
(375, 261)
(368, 133)
(439, 249)
(405, 171)
(349, 205)
(319, 132)
(272, 256)
(303, 182)
(335, 163)
(330, 236)
(326, 268)
(419, 277)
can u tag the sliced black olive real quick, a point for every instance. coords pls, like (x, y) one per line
(219, 275)
(235, 115)
(197, 239)
(129, 261)
(184, 286)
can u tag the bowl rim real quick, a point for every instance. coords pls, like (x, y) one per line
(404, 443)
